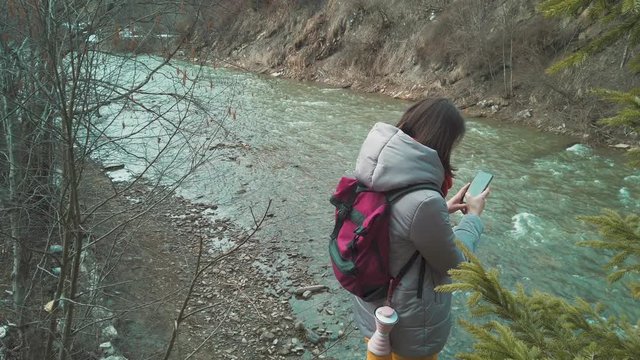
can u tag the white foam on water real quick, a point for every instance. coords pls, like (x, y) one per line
(300, 123)
(313, 103)
(580, 149)
(527, 225)
(122, 175)
(555, 172)
(555, 167)
(480, 131)
(634, 179)
(624, 194)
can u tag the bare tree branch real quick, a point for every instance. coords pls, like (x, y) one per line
(199, 271)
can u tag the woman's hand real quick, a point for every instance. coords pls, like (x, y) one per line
(476, 203)
(455, 203)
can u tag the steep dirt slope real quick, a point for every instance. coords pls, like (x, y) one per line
(488, 56)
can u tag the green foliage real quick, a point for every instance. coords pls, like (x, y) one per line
(628, 115)
(521, 325)
(620, 20)
(598, 44)
(518, 325)
(621, 235)
(562, 7)
(634, 155)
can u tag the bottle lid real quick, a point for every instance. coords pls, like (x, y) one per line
(386, 315)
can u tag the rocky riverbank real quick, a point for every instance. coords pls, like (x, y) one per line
(239, 307)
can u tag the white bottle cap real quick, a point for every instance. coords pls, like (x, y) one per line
(386, 315)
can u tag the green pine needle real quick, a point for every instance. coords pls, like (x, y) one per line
(634, 157)
(520, 325)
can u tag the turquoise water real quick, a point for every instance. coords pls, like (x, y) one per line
(291, 141)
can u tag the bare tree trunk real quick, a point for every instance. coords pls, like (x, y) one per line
(20, 270)
(73, 233)
(59, 92)
(504, 66)
(510, 64)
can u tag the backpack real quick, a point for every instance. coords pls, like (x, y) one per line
(359, 245)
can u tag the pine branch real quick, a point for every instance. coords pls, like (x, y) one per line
(556, 8)
(518, 325)
(621, 21)
(594, 46)
(634, 157)
(537, 324)
(498, 342)
(621, 235)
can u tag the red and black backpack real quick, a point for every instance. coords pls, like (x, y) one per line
(359, 245)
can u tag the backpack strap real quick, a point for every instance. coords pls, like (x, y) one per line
(346, 210)
(392, 197)
(403, 271)
(423, 268)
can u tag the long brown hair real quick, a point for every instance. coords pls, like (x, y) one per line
(435, 123)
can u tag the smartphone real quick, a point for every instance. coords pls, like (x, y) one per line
(480, 183)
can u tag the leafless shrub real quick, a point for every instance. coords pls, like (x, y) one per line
(65, 97)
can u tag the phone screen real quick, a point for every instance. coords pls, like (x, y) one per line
(480, 183)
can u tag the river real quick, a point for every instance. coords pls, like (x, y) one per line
(291, 141)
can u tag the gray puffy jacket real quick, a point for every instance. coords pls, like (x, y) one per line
(390, 159)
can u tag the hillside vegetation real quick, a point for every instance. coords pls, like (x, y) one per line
(489, 56)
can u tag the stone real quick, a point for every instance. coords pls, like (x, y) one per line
(267, 335)
(109, 332)
(621, 146)
(3, 331)
(114, 167)
(524, 114)
(107, 348)
(329, 311)
(313, 337)
(312, 288)
(485, 103)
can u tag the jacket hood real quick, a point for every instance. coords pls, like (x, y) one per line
(390, 159)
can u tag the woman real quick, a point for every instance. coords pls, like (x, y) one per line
(418, 150)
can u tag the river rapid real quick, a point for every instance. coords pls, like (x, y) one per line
(290, 142)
